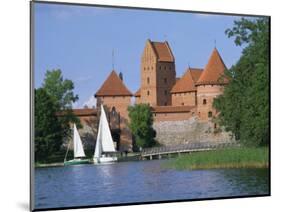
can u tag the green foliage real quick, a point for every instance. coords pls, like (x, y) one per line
(242, 157)
(61, 91)
(48, 137)
(244, 106)
(141, 121)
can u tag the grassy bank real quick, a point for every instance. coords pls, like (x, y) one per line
(242, 157)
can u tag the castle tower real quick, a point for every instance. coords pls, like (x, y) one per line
(210, 85)
(184, 92)
(116, 98)
(158, 74)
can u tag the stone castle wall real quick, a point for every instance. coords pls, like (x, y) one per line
(191, 130)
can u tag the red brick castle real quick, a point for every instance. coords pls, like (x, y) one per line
(170, 98)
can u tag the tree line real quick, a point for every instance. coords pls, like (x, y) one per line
(244, 106)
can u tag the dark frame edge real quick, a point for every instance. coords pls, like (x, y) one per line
(31, 87)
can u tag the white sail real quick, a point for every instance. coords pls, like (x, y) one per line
(78, 147)
(98, 143)
(104, 141)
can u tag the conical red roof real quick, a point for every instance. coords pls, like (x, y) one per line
(187, 82)
(213, 73)
(113, 86)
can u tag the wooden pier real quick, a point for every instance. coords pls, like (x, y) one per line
(177, 150)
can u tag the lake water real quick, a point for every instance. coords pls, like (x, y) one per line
(140, 181)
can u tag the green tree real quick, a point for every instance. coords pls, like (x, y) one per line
(244, 106)
(61, 91)
(141, 121)
(48, 137)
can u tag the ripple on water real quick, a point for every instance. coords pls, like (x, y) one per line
(142, 181)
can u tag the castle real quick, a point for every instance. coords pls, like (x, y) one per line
(171, 99)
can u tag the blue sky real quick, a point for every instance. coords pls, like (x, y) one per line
(79, 40)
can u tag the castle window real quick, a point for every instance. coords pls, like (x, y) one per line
(165, 103)
(147, 93)
(151, 67)
(144, 68)
(215, 126)
(204, 101)
(147, 68)
(210, 114)
(159, 67)
(170, 68)
(148, 80)
(164, 67)
(166, 92)
(165, 80)
(182, 103)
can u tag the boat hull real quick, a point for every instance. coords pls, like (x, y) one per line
(76, 162)
(104, 160)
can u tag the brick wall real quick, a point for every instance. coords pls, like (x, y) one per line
(205, 97)
(120, 103)
(176, 116)
(187, 98)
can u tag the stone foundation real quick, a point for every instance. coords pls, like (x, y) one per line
(192, 130)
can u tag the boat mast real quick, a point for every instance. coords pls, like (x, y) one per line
(68, 147)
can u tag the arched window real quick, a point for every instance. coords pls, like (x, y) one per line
(210, 114)
(182, 103)
(147, 93)
(204, 101)
(165, 80)
(148, 80)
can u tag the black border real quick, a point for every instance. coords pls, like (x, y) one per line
(31, 65)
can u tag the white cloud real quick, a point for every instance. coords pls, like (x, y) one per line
(90, 102)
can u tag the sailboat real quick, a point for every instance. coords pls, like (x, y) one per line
(79, 153)
(104, 151)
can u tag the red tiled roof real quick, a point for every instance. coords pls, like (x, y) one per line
(80, 112)
(113, 86)
(162, 51)
(171, 109)
(213, 73)
(187, 82)
(138, 93)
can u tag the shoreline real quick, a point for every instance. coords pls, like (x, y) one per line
(243, 157)
(59, 164)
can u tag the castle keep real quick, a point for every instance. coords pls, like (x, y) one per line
(172, 100)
